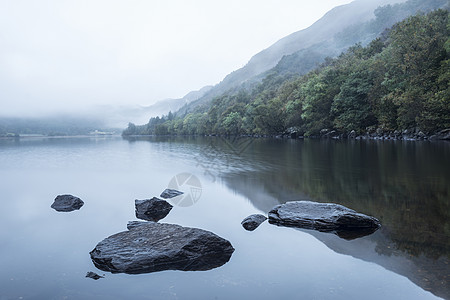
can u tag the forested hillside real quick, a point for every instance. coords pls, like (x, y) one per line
(360, 21)
(385, 17)
(398, 81)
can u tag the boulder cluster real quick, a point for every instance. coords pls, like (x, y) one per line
(148, 246)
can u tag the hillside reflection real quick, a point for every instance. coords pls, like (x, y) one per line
(406, 185)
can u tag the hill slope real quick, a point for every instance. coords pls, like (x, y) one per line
(357, 22)
(398, 82)
(323, 31)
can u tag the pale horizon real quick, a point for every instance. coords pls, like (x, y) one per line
(74, 55)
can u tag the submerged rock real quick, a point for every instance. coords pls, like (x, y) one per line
(67, 203)
(170, 193)
(93, 275)
(153, 209)
(154, 247)
(326, 217)
(253, 221)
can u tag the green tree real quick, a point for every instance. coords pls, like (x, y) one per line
(232, 123)
(131, 130)
(317, 96)
(351, 106)
(414, 59)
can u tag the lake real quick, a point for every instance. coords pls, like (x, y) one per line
(44, 254)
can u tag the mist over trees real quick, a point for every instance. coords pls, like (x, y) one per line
(360, 21)
(398, 81)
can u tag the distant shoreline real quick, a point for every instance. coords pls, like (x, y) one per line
(340, 137)
(59, 136)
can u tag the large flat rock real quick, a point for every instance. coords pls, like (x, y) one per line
(326, 217)
(154, 247)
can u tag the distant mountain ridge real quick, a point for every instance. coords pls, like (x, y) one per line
(120, 116)
(164, 106)
(385, 74)
(325, 29)
(333, 22)
(302, 51)
(363, 33)
(360, 21)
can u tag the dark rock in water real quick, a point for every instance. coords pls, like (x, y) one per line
(253, 221)
(169, 193)
(154, 247)
(67, 203)
(292, 132)
(442, 135)
(326, 217)
(153, 209)
(421, 135)
(331, 134)
(445, 134)
(352, 134)
(134, 224)
(93, 275)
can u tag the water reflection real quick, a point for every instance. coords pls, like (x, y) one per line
(406, 185)
(346, 234)
(270, 262)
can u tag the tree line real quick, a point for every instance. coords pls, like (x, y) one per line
(398, 81)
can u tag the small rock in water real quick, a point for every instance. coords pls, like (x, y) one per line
(170, 193)
(253, 221)
(153, 209)
(67, 203)
(93, 275)
(326, 217)
(153, 247)
(352, 134)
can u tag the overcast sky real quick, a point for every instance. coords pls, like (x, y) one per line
(65, 55)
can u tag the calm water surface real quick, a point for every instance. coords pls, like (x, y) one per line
(45, 254)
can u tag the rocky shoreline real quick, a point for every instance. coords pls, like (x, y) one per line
(413, 134)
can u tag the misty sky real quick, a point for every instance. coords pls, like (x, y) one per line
(67, 55)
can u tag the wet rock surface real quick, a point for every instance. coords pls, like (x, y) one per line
(134, 224)
(442, 135)
(153, 209)
(371, 133)
(325, 217)
(253, 221)
(66, 203)
(153, 247)
(170, 193)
